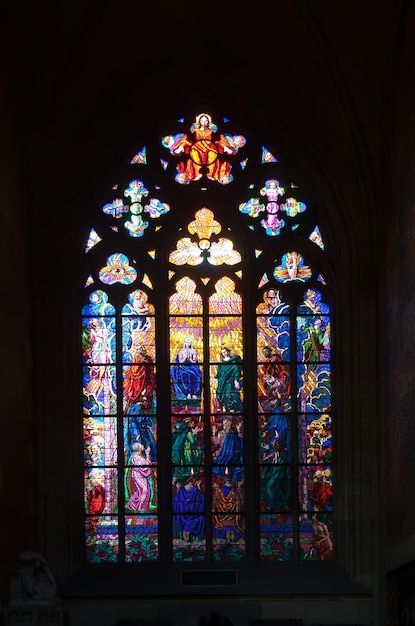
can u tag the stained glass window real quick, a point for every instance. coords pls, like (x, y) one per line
(206, 356)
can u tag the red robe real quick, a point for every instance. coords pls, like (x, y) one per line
(96, 503)
(139, 383)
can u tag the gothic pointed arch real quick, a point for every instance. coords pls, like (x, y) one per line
(206, 355)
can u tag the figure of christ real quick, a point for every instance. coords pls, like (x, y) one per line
(201, 150)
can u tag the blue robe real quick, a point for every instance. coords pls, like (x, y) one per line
(231, 456)
(187, 379)
(188, 508)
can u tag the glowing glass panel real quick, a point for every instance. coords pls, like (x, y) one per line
(224, 332)
(315, 439)
(116, 208)
(185, 300)
(267, 156)
(227, 440)
(275, 482)
(101, 537)
(141, 539)
(292, 207)
(225, 299)
(203, 152)
(140, 481)
(94, 433)
(228, 519)
(292, 268)
(140, 429)
(316, 238)
(226, 388)
(187, 445)
(98, 305)
(93, 239)
(186, 344)
(188, 500)
(271, 208)
(117, 270)
(194, 253)
(274, 438)
(140, 158)
(154, 208)
(197, 354)
(316, 539)
(276, 537)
